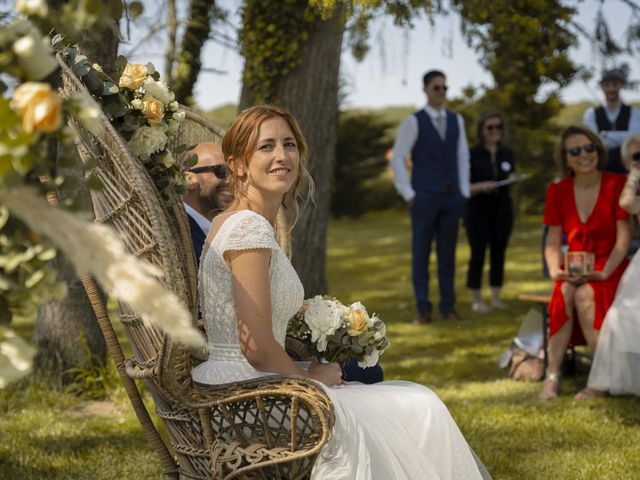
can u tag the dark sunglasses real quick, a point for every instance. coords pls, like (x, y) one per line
(636, 157)
(491, 128)
(437, 88)
(588, 148)
(220, 171)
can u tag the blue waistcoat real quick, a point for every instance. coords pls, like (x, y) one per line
(435, 162)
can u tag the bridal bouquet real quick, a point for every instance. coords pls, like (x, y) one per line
(336, 332)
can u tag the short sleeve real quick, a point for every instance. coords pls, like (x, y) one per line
(552, 210)
(248, 231)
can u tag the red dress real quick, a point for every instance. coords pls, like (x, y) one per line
(597, 235)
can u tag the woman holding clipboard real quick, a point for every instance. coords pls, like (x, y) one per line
(489, 215)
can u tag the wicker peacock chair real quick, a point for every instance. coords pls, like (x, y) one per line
(267, 428)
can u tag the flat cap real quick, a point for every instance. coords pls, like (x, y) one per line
(613, 75)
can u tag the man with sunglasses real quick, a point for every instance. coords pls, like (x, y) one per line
(207, 191)
(613, 121)
(435, 139)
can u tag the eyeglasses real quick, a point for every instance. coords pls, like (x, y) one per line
(588, 148)
(437, 88)
(636, 157)
(220, 170)
(491, 128)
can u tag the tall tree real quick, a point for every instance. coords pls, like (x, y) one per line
(292, 58)
(188, 62)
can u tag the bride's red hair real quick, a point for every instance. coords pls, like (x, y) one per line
(239, 144)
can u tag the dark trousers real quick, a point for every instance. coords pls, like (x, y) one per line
(353, 373)
(490, 225)
(435, 216)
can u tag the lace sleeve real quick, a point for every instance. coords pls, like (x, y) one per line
(250, 230)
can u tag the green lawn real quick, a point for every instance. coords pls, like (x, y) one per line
(45, 435)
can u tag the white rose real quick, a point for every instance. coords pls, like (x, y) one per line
(148, 140)
(370, 360)
(173, 127)
(34, 57)
(159, 90)
(36, 8)
(323, 317)
(179, 116)
(136, 103)
(173, 107)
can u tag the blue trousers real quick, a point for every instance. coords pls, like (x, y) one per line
(435, 216)
(352, 372)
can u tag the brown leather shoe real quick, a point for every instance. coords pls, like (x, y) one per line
(422, 319)
(452, 315)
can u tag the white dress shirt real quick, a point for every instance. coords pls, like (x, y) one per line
(613, 138)
(406, 139)
(202, 221)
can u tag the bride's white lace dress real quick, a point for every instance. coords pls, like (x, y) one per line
(388, 431)
(616, 363)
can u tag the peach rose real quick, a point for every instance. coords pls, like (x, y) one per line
(39, 107)
(133, 76)
(153, 109)
(358, 320)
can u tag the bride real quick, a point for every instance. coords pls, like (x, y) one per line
(616, 363)
(249, 291)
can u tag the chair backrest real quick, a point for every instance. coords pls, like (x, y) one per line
(131, 204)
(272, 427)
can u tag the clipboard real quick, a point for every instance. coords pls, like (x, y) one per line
(509, 181)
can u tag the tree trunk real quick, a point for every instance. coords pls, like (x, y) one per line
(66, 333)
(172, 28)
(310, 93)
(188, 62)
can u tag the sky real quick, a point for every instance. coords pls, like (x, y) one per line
(392, 71)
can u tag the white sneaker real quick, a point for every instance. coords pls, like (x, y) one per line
(499, 305)
(480, 307)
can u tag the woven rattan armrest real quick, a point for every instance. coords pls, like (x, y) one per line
(275, 424)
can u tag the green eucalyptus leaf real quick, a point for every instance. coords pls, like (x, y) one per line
(81, 65)
(93, 82)
(71, 52)
(110, 88)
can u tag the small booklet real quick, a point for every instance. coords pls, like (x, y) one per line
(514, 179)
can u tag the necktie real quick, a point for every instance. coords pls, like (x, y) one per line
(440, 126)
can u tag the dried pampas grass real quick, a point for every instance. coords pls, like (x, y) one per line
(98, 250)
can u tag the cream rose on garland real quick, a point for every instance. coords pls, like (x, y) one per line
(39, 107)
(152, 109)
(133, 76)
(148, 140)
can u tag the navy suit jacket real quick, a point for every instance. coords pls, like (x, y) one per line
(197, 237)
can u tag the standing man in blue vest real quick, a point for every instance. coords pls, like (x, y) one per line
(436, 195)
(614, 121)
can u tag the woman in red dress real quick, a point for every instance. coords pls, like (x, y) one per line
(583, 206)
